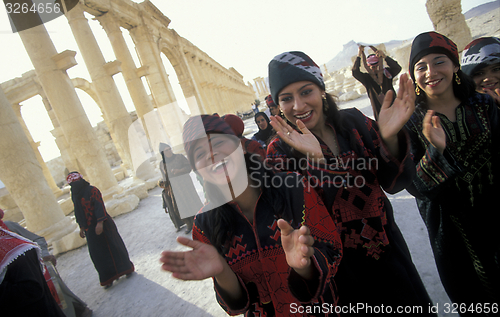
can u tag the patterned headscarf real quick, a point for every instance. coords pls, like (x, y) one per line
(480, 53)
(73, 176)
(198, 127)
(290, 67)
(270, 102)
(12, 246)
(430, 43)
(372, 59)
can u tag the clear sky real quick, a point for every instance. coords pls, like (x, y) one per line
(245, 35)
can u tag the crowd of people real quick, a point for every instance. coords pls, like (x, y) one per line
(296, 220)
(266, 246)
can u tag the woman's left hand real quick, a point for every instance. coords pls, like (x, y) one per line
(99, 228)
(297, 244)
(306, 143)
(393, 117)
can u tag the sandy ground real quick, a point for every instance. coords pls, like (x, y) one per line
(151, 292)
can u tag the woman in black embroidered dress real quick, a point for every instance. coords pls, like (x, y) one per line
(106, 247)
(271, 250)
(362, 159)
(455, 143)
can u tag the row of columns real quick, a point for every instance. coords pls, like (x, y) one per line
(261, 87)
(211, 91)
(220, 92)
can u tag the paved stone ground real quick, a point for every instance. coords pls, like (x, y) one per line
(151, 292)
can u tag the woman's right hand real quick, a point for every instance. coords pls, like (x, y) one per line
(202, 262)
(306, 143)
(82, 233)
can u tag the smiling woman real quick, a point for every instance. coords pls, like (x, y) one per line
(354, 195)
(267, 248)
(455, 137)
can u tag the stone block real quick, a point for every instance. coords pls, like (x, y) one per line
(152, 182)
(123, 205)
(68, 242)
(13, 214)
(350, 95)
(66, 205)
(137, 188)
(119, 175)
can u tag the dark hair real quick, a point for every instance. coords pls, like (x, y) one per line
(463, 91)
(221, 219)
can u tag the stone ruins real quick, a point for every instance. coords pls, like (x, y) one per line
(30, 191)
(103, 154)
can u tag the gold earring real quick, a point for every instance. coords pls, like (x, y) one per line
(457, 79)
(326, 106)
(417, 90)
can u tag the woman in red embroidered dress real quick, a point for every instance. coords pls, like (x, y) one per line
(266, 239)
(362, 158)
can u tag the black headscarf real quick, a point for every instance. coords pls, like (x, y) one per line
(267, 133)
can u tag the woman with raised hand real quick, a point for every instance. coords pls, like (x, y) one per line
(265, 238)
(361, 158)
(455, 142)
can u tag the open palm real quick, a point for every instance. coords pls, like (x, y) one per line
(306, 143)
(297, 244)
(201, 262)
(393, 117)
(433, 131)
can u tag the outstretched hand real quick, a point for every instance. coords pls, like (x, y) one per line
(297, 244)
(393, 117)
(306, 143)
(201, 262)
(433, 131)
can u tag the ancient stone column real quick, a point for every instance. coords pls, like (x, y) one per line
(447, 19)
(23, 177)
(45, 170)
(117, 117)
(190, 87)
(159, 84)
(67, 156)
(137, 91)
(50, 68)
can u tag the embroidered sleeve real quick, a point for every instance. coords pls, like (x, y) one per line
(327, 249)
(98, 204)
(231, 307)
(393, 174)
(433, 169)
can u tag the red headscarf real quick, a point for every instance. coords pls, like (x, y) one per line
(73, 176)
